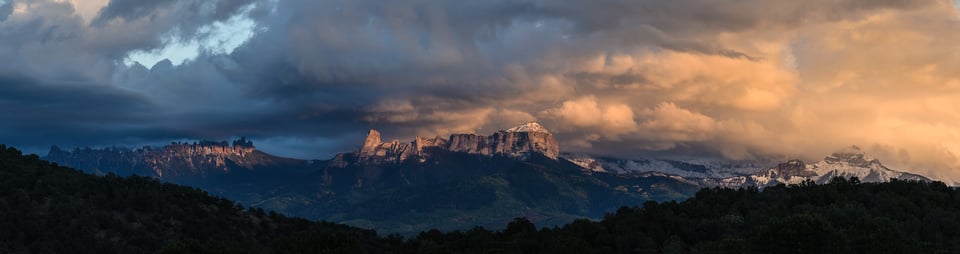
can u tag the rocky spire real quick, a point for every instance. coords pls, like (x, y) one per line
(370, 144)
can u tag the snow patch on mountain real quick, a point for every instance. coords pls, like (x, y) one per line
(588, 163)
(847, 163)
(853, 162)
(529, 127)
(691, 168)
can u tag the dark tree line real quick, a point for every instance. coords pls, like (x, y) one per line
(844, 216)
(45, 208)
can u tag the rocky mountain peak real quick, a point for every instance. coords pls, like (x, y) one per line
(852, 156)
(370, 143)
(854, 162)
(793, 168)
(375, 151)
(529, 127)
(517, 142)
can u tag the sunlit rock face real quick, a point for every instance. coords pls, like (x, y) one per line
(520, 143)
(517, 142)
(374, 151)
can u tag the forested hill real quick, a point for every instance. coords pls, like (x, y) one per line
(844, 216)
(49, 209)
(45, 208)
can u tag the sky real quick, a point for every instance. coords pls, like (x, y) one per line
(732, 79)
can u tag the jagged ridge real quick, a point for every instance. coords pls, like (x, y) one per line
(517, 142)
(174, 160)
(847, 163)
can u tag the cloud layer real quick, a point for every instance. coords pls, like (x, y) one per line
(734, 79)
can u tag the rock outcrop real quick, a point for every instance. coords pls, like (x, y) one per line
(792, 168)
(173, 160)
(847, 163)
(517, 142)
(374, 151)
(854, 162)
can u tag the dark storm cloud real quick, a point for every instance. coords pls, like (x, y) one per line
(6, 9)
(726, 78)
(38, 115)
(106, 104)
(41, 114)
(129, 9)
(360, 53)
(370, 42)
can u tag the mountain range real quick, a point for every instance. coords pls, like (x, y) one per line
(456, 182)
(46, 208)
(848, 162)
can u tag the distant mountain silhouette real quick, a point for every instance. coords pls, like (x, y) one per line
(455, 183)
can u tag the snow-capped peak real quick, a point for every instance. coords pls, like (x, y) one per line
(852, 156)
(529, 127)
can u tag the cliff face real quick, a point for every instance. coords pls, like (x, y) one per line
(512, 144)
(173, 160)
(374, 151)
(792, 169)
(518, 142)
(468, 143)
